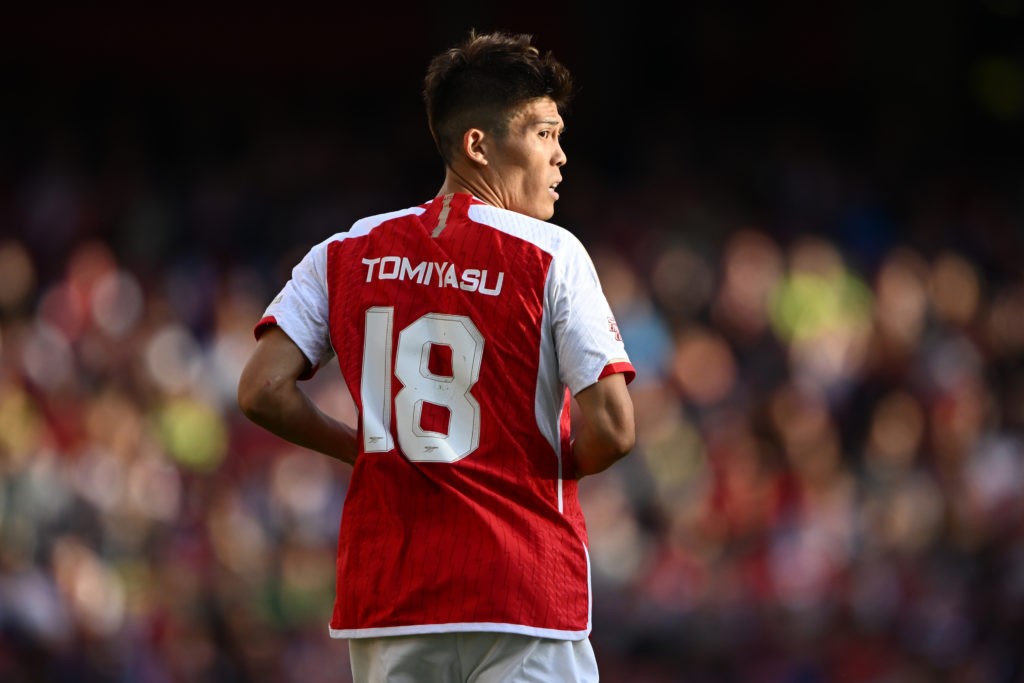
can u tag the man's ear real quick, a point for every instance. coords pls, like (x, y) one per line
(474, 145)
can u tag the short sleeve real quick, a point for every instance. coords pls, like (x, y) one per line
(588, 343)
(301, 308)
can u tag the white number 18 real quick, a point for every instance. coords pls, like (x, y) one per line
(420, 385)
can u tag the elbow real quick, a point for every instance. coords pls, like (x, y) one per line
(620, 442)
(625, 442)
(617, 439)
(249, 400)
(256, 396)
(608, 448)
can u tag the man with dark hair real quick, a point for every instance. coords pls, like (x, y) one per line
(463, 328)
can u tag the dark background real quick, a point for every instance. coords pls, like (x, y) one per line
(907, 99)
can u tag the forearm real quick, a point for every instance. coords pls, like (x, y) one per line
(290, 414)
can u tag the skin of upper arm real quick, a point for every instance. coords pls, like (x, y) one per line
(276, 362)
(607, 410)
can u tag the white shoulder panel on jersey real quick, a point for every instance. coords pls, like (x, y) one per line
(576, 312)
(547, 236)
(301, 308)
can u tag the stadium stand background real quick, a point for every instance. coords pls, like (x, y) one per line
(810, 223)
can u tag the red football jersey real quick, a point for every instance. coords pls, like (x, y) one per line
(461, 331)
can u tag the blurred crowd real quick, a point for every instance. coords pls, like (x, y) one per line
(828, 482)
(827, 486)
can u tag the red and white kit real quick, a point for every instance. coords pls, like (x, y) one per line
(460, 330)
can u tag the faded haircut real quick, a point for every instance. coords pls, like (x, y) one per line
(482, 81)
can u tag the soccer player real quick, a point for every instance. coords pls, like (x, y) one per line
(463, 327)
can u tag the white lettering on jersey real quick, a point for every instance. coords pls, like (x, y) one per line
(442, 274)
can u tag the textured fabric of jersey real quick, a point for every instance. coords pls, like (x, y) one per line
(461, 330)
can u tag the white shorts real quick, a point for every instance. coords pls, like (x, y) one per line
(475, 657)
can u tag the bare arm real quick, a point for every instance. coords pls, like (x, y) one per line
(269, 395)
(608, 431)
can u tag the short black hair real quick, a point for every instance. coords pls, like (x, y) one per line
(481, 82)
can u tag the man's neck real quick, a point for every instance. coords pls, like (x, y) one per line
(455, 182)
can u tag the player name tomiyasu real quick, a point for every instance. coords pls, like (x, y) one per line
(441, 274)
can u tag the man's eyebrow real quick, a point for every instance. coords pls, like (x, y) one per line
(549, 122)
